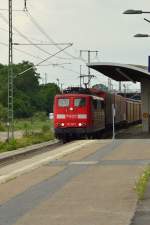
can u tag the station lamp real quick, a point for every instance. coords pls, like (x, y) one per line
(141, 35)
(133, 11)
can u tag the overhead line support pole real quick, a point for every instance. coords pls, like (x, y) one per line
(10, 78)
(89, 60)
(80, 75)
(89, 71)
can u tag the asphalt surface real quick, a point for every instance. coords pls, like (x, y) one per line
(34, 195)
(92, 185)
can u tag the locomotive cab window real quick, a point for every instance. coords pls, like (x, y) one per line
(79, 102)
(63, 102)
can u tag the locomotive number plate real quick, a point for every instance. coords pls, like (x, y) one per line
(71, 116)
(71, 124)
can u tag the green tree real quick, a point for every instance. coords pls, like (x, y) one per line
(46, 96)
(26, 89)
(29, 96)
(3, 84)
(22, 105)
(3, 113)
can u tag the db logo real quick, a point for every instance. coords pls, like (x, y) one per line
(145, 115)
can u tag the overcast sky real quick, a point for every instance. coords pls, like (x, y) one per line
(88, 24)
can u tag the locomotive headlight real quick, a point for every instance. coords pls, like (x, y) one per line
(60, 124)
(60, 116)
(81, 124)
(82, 116)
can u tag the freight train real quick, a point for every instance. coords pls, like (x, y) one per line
(88, 112)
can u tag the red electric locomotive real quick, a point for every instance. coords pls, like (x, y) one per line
(87, 112)
(77, 113)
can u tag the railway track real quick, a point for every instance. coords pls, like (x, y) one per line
(28, 152)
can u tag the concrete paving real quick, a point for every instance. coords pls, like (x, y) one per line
(94, 185)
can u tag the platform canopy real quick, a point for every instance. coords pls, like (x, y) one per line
(122, 72)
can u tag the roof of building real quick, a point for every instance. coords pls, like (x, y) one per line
(122, 72)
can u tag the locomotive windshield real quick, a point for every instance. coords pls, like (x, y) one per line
(79, 102)
(63, 102)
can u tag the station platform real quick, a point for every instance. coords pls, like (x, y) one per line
(83, 183)
(133, 132)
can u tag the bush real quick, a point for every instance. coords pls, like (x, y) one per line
(2, 127)
(40, 116)
(27, 130)
(3, 113)
(8, 146)
(25, 141)
(45, 128)
(141, 185)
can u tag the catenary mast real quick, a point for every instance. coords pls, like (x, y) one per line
(10, 77)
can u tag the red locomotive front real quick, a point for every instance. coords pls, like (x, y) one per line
(76, 115)
(71, 111)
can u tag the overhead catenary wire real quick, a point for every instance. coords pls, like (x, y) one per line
(49, 38)
(43, 32)
(44, 60)
(25, 52)
(53, 42)
(22, 35)
(69, 69)
(16, 43)
(60, 65)
(27, 39)
(37, 57)
(12, 10)
(55, 64)
(22, 51)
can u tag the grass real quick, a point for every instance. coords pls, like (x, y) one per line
(26, 141)
(35, 130)
(33, 124)
(142, 183)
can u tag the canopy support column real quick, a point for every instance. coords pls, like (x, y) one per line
(145, 96)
